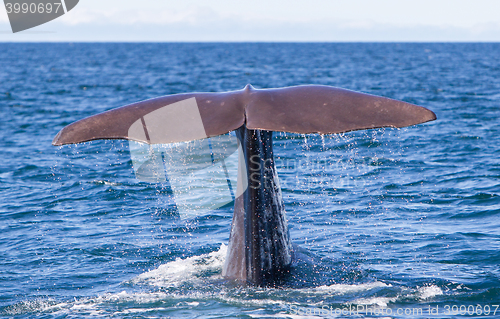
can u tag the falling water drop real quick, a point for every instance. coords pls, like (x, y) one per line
(306, 147)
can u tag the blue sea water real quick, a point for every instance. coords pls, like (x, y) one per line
(392, 223)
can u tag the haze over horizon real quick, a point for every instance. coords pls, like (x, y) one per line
(269, 21)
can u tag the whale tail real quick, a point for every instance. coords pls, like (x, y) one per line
(300, 109)
(260, 249)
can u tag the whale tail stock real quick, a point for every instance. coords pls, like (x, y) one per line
(260, 249)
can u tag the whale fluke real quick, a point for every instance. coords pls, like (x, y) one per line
(298, 109)
(260, 249)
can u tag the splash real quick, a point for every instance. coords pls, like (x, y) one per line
(429, 292)
(179, 271)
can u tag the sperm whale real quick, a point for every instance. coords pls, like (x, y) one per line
(259, 250)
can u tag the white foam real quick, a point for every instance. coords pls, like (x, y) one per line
(107, 183)
(429, 292)
(422, 293)
(142, 297)
(176, 272)
(139, 310)
(375, 301)
(344, 289)
(284, 315)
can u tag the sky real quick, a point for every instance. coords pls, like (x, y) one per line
(268, 21)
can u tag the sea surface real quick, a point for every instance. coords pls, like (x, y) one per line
(393, 223)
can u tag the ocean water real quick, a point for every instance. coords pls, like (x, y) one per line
(393, 223)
